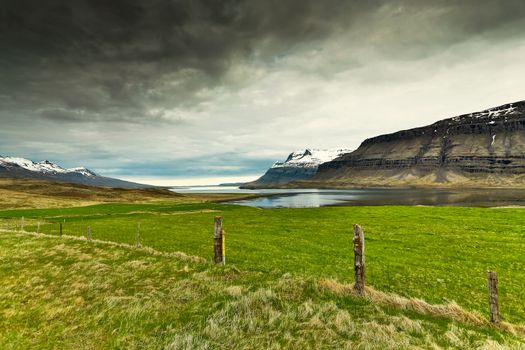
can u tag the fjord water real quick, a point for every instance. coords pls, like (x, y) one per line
(311, 198)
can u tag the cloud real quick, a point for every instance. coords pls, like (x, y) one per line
(60, 114)
(116, 82)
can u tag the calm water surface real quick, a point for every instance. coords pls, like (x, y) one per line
(310, 198)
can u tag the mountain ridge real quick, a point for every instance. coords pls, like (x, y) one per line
(22, 168)
(483, 149)
(299, 165)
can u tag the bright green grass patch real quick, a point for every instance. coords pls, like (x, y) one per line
(76, 295)
(438, 254)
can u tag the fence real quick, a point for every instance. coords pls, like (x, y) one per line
(219, 256)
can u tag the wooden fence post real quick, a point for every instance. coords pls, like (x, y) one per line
(89, 233)
(223, 241)
(137, 243)
(217, 240)
(493, 297)
(359, 259)
(60, 230)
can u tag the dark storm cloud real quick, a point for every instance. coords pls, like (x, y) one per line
(94, 55)
(117, 58)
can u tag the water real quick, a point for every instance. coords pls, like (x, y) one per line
(311, 198)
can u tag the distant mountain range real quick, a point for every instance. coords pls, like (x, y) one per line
(299, 165)
(481, 149)
(13, 167)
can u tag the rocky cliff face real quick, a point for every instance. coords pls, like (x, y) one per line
(485, 148)
(300, 165)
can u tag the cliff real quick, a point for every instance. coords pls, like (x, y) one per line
(478, 149)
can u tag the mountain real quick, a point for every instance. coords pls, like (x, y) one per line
(300, 165)
(13, 167)
(479, 149)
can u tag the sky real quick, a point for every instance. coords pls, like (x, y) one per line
(169, 91)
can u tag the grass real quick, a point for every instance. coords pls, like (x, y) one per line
(100, 296)
(437, 254)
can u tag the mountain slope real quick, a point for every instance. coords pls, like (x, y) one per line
(486, 148)
(21, 168)
(299, 165)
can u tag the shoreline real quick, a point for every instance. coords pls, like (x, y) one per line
(384, 196)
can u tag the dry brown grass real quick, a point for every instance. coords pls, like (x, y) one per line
(178, 255)
(29, 193)
(450, 310)
(280, 317)
(17, 199)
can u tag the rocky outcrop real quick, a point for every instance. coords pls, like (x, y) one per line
(487, 148)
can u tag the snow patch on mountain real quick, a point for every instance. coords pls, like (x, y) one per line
(82, 170)
(44, 167)
(310, 158)
(300, 165)
(491, 113)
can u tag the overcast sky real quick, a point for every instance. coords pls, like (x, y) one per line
(221, 89)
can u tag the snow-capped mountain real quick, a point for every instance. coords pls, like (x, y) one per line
(300, 165)
(83, 171)
(44, 167)
(22, 168)
(310, 158)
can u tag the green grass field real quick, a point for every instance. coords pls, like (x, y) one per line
(438, 254)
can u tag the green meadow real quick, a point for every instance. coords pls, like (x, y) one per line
(437, 254)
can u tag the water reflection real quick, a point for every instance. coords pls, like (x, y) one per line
(297, 200)
(308, 198)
